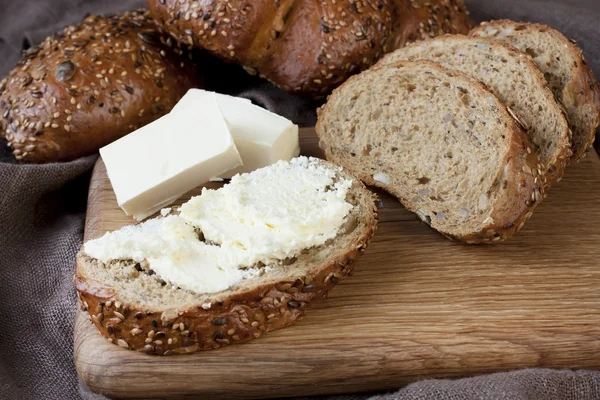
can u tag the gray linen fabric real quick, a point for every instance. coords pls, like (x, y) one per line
(42, 211)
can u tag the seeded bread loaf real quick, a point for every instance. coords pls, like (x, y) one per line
(439, 141)
(93, 83)
(307, 46)
(514, 78)
(135, 309)
(562, 62)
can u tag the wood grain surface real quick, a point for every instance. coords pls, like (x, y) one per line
(418, 306)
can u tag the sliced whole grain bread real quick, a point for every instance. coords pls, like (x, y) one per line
(564, 67)
(135, 309)
(513, 77)
(439, 141)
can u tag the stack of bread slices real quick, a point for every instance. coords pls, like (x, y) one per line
(469, 132)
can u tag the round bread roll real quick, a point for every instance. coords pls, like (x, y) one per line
(89, 85)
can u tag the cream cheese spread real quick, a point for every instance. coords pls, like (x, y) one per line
(258, 218)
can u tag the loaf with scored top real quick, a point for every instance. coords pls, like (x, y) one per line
(307, 46)
(89, 85)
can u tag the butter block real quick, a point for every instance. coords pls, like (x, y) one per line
(261, 137)
(155, 165)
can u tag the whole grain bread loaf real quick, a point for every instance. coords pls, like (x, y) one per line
(307, 46)
(89, 85)
(135, 309)
(514, 78)
(561, 60)
(439, 141)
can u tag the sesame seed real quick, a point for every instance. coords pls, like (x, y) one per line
(136, 331)
(54, 126)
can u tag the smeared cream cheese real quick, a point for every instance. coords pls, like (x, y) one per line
(261, 217)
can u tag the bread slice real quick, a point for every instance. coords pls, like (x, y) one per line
(562, 62)
(439, 141)
(137, 310)
(514, 78)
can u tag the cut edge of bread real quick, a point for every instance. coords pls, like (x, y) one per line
(526, 170)
(557, 164)
(582, 90)
(237, 314)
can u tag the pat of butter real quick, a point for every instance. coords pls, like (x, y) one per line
(261, 137)
(155, 165)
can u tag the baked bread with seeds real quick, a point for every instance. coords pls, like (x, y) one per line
(307, 46)
(89, 85)
(134, 308)
(568, 74)
(514, 78)
(440, 142)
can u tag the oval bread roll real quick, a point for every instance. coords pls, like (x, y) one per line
(307, 46)
(93, 83)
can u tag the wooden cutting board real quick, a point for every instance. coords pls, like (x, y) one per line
(418, 306)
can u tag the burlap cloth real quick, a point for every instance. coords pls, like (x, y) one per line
(42, 211)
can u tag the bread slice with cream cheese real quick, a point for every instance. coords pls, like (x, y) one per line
(143, 291)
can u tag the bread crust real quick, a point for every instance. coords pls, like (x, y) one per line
(522, 183)
(307, 46)
(238, 318)
(93, 83)
(582, 90)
